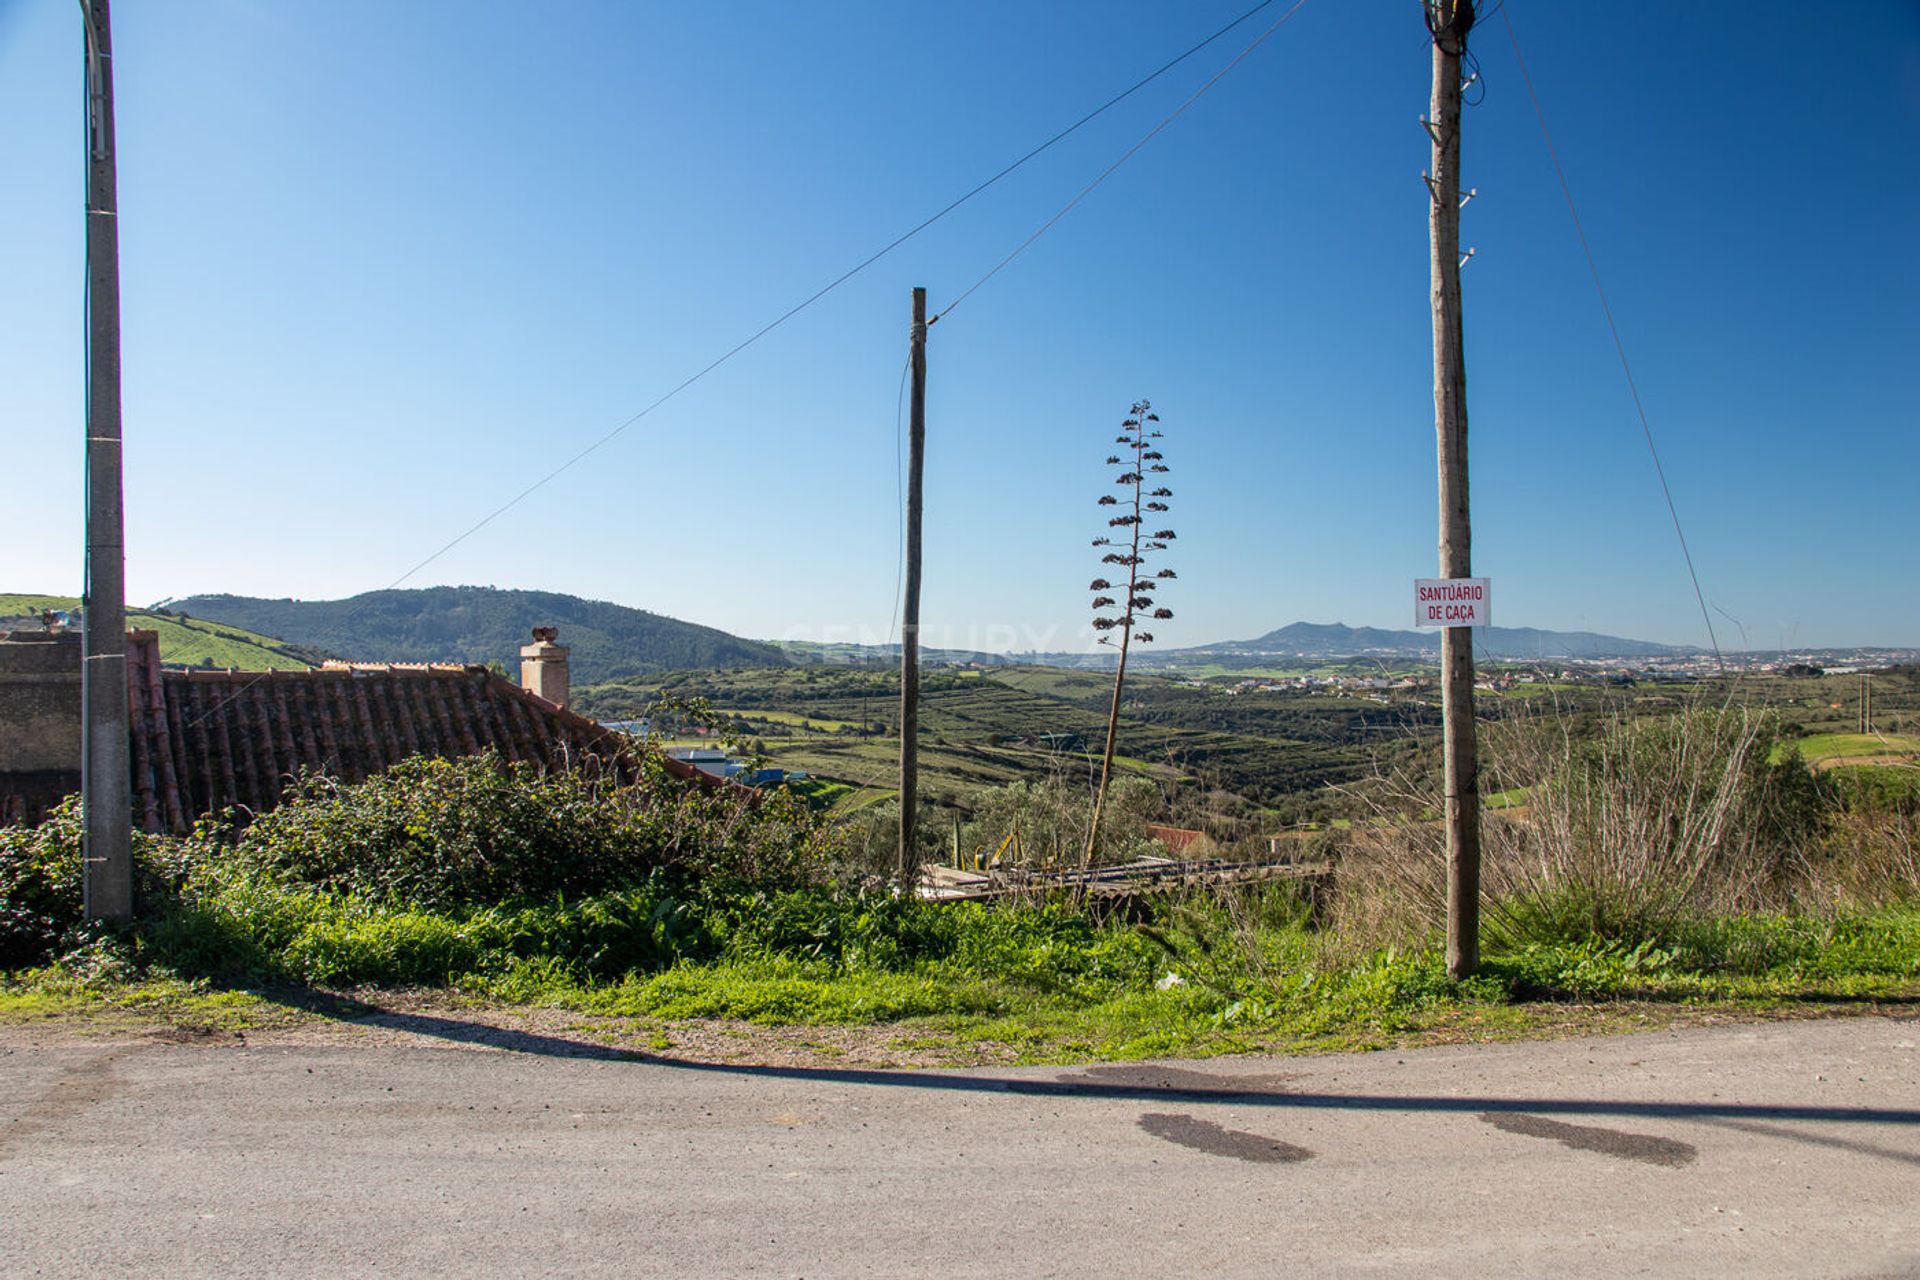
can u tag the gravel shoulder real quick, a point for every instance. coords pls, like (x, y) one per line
(385, 1018)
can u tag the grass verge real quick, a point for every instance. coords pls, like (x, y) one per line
(873, 980)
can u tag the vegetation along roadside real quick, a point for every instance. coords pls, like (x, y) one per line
(1679, 867)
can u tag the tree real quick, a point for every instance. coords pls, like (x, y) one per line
(1139, 459)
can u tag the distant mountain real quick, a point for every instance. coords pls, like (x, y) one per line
(487, 624)
(1337, 640)
(1311, 640)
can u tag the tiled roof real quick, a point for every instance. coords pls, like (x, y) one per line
(202, 740)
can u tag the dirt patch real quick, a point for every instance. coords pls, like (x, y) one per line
(1216, 1140)
(1587, 1137)
(196, 1033)
(464, 1023)
(1177, 1082)
(1890, 758)
(84, 1087)
(445, 1018)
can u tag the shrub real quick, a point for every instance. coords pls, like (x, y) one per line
(40, 883)
(1053, 817)
(1870, 857)
(448, 833)
(1626, 831)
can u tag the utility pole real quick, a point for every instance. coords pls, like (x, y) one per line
(107, 856)
(1449, 21)
(910, 607)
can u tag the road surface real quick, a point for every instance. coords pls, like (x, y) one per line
(1777, 1149)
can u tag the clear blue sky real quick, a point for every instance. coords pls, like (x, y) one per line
(384, 264)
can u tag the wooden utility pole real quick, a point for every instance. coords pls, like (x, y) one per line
(1449, 21)
(107, 856)
(910, 606)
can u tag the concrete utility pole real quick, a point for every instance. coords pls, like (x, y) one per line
(910, 607)
(107, 857)
(1449, 21)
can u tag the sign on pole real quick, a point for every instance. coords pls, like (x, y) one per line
(1452, 602)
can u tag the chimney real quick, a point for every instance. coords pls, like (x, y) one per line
(543, 666)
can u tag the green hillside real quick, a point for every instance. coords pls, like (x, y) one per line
(486, 624)
(186, 641)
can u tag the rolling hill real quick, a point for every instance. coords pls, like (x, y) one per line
(488, 624)
(190, 642)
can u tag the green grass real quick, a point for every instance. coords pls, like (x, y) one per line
(1539, 689)
(1030, 983)
(1819, 747)
(186, 641)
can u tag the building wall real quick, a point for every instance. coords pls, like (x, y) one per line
(39, 721)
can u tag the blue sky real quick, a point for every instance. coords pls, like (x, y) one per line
(384, 265)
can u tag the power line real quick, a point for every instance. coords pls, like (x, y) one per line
(1125, 156)
(1619, 345)
(835, 283)
(797, 308)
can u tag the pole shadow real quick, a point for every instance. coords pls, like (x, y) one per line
(1177, 1085)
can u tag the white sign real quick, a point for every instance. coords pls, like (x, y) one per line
(1452, 602)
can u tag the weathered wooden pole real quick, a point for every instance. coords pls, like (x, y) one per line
(107, 856)
(1449, 21)
(910, 605)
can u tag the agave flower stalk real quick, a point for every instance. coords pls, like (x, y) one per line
(1117, 617)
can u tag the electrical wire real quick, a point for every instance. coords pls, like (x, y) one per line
(1619, 345)
(828, 288)
(797, 308)
(1125, 156)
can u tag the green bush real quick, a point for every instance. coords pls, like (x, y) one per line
(1877, 789)
(454, 833)
(322, 886)
(40, 883)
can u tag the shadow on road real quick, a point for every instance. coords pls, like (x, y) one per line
(1130, 1082)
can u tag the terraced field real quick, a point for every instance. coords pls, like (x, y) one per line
(985, 729)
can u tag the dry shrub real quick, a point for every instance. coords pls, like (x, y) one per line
(1390, 883)
(1870, 858)
(1052, 818)
(1625, 830)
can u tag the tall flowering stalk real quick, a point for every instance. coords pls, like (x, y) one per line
(1140, 499)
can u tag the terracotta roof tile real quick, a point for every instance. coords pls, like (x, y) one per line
(203, 740)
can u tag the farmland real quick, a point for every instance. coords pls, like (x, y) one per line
(1237, 748)
(987, 728)
(1857, 748)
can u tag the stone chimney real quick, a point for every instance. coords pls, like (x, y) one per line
(543, 666)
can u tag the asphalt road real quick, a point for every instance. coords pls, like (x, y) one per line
(1782, 1149)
